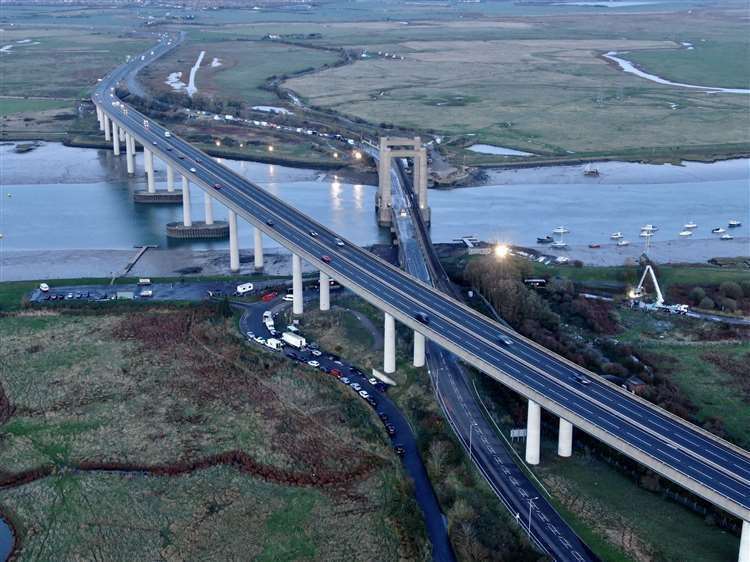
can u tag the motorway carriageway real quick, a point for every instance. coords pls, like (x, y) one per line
(703, 459)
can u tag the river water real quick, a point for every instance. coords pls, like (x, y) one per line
(63, 198)
(6, 540)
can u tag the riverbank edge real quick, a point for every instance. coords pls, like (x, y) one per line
(472, 180)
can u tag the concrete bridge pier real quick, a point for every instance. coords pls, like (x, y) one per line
(187, 219)
(170, 178)
(389, 344)
(325, 291)
(122, 134)
(297, 304)
(745, 543)
(115, 139)
(258, 249)
(418, 350)
(565, 439)
(208, 208)
(100, 118)
(107, 135)
(130, 153)
(148, 159)
(533, 433)
(234, 247)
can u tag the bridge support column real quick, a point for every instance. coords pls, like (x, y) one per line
(383, 202)
(100, 118)
(258, 248)
(418, 350)
(148, 160)
(208, 207)
(115, 139)
(234, 247)
(565, 439)
(532, 433)
(130, 153)
(389, 344)
(107, 135)
(170, 177)
(745, 543)
(187, 219)
(298, 303)
(325, 291)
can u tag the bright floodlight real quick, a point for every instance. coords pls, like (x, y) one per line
(270, 148)
(357, 155)
(501, 250)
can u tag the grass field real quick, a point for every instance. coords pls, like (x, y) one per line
(10, 106)
(538, 84)
(245, 66)
(100, 393)
(61, 62)
(614, 506)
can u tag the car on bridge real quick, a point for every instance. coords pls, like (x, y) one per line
(422, 317)
(217, 186)
(326, 258)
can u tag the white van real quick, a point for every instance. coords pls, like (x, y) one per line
(274, 344)
(244, 288)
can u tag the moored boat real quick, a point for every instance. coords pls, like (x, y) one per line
(734, 223)
(545, 240)
(689, 225)
(686, 233)
(616, 235)
(623, 243)
(560, 230)
(727, 237)
(718, 230)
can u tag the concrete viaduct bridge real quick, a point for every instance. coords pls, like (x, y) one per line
(704, 464)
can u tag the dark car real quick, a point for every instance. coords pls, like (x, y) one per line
(313, 234)
(292, 355)
(504, 340)
(326, 259)
(269, 222)
(217, 186)
(399, 450)
(390, 428)
(181, 156)
(372, 402)
(422, 317)
(383, 416)
(580, 379)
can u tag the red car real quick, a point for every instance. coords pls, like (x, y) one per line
(217, 186)
(326, 259)
(336, 373)
(269, 296)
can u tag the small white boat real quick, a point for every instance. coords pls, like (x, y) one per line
(686, 233)
(646, 233)
(649, 228)
(727, 237)
(689, 225)
(623, 243)
(560, 230)
(616, 235)
(559, 244)
(590, 171)
(734, 223)
(718, 230)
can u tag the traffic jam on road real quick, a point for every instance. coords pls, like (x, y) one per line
(296, 347)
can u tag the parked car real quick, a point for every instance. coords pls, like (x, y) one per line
(336, 373)
(390, 429)
(316, 352)
(313, 363)
(399, 450)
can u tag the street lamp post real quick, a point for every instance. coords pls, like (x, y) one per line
(531, 502)
(471, 447)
